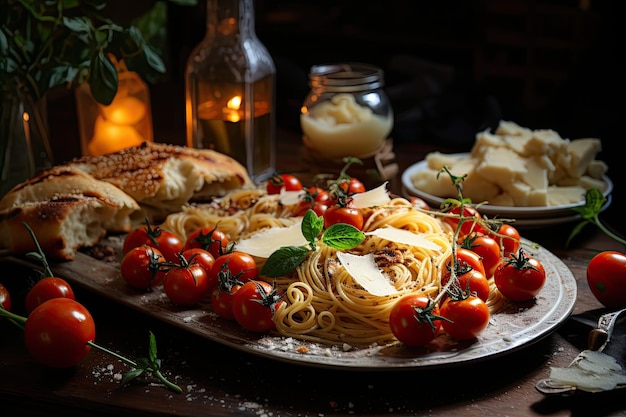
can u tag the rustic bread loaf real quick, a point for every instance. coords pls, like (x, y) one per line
(66, 209)
(163, 178)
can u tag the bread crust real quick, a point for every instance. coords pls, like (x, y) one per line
(163, 178)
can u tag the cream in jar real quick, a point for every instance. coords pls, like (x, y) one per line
(342, 127)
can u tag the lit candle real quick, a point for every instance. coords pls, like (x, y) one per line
(231, 111)
(110, 137)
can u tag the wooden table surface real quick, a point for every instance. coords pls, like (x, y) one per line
(220, 381)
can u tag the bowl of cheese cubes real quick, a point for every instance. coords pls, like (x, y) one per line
(535, 177)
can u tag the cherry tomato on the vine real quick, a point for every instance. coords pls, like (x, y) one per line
(169, 243)
(5, 298)
(467, 258)
(186, 284)
(414, 320)
(520, 277)
(290, 182)
(352, 186)
(487, 248)
(57, 331)
(46, 289)
(209, 238)
(254, 305)
(508, 238)
(606, 276)
(471, 280)
(466, 318)
(141, 267)
(348, 215)
(470, 223)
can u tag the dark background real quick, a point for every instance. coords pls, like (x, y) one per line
(452, 68)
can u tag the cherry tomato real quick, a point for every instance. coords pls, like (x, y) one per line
(208, 238)
(254, 305)
(277, 182)
(414, 320)
(348, 215)
(352, 186)
(469, 225)
(508, 238)
(169, 243)
(520, 277)
(467, 259)
(471, 279)
(606, 276)
(5, 298)
(57, 331)
(239, 265)
(466, 318)
(222, 297)
(419, 203)
(46, 289)
(186, 284)
(204, 259)
(140, 267)
(317, 206)
(487, 248)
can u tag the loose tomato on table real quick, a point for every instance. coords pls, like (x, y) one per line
(520, 277)
(57, 331)
(169, 243)
(415, 320)
(606, 276)
(5, 298)
(465, 318)
(290, 183)
(46, 289)
(254, 305)
(208, 238)
(141, 267)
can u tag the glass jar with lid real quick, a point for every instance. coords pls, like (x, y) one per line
(347, 112)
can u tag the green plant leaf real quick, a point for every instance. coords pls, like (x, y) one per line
(103, 79)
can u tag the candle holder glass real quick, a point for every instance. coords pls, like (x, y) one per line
(124, 123)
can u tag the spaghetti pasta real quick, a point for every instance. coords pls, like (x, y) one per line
(324, 302)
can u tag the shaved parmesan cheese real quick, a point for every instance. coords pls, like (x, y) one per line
(289, 198)
(590, 371)
(265, 242)
(405, 237)
(365, 271)
(378, 196)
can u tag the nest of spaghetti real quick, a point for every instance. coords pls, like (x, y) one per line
(325, 302)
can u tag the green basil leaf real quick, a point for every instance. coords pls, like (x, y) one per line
(284, 260)
(343, 236)
(312, 226)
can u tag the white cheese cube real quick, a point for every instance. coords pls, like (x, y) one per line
(558, 196)
(582, 152)
(501, 166)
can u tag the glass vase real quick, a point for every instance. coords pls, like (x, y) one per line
(24, 139)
